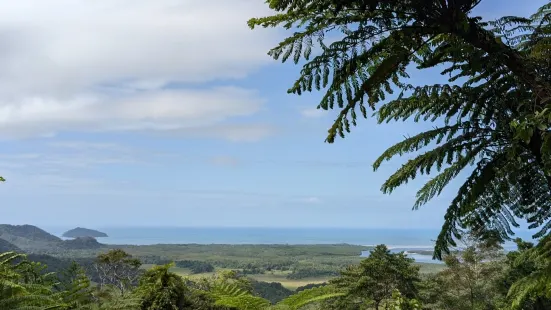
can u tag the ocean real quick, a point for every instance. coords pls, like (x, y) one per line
(179, 235)
(396, 239)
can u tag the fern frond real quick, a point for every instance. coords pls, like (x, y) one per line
(309, 296)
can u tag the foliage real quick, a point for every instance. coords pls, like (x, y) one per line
(265, 257)
(309, 296)
(493, 112)
(471, 281)
(530, 274)
(376, 277)
(118, 269)
(74, 286)
(272, 291)
(195, 266)
(108, 298)
(398, 302)
(233, 296)
(302, 271)
(478, 277)
(160, 289)
(309, 286)
(21, 285)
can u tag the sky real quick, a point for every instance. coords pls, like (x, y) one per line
(171, 113)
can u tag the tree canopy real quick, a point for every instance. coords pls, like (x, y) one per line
(375, 279)
(493, 113)
(479, 276)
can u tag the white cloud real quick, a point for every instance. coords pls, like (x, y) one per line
(69, 65)
(151, 110)
(313, 113)
(250, 132)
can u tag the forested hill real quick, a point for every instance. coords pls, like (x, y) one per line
(6, 246)
(28, 232)
(31, 239)
(82, 243)
(83, 232)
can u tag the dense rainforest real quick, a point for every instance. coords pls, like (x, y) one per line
(479, 275)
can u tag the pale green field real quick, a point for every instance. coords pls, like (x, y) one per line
(427, 268)
(281, 276)
(276, 276)
(290, 284)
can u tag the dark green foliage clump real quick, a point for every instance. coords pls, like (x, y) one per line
(375, 279)
(154, 259)
(195, 266)
(302, 271)
(273, 291)
(23, 284)
(530, 275)
(309, 286)
(160, 289)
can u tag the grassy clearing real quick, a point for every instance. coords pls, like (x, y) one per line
(281, 276)
(276, 276)
(184, 272)
(428, 268)
(287, 283)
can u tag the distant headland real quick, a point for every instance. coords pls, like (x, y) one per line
(83, 232)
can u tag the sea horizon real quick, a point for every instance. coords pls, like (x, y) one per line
(411, 238)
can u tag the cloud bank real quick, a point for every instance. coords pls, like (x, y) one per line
(119, 65)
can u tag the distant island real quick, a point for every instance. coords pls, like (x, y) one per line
(83, 232)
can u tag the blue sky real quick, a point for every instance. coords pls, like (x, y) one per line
(148, 113)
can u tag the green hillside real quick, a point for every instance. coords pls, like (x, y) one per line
(6, 246)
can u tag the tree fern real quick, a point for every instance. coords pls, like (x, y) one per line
(231, 295)
(537, 284)
(74, 287)
(309, 296)
(161, 289)
(23, 286)
(494, 108)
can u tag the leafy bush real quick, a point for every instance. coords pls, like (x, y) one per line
(195, 266)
